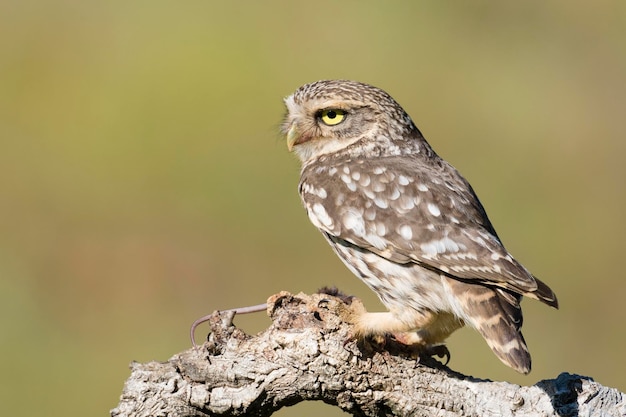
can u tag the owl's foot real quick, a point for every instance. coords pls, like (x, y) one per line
(440, 351)
(416, 347)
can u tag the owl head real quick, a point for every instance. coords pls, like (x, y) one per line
(332, 117)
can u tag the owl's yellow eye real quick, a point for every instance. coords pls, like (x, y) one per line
(332, 117)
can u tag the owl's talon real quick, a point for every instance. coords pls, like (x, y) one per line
(440, 351)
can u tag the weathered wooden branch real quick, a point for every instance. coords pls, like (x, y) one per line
(304, 356)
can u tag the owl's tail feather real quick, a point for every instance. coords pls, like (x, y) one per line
(544, 294)
(497, 315)
(503, 330)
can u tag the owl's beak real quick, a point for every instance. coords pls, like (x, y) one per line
(292, 137)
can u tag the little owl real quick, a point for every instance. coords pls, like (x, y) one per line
(406, 222)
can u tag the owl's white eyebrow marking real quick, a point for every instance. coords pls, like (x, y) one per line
(406, 231)
(433, 209)
(422, 187)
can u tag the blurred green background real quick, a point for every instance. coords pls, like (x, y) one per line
(143, 182)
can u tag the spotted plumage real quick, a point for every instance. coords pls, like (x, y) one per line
(405, 221)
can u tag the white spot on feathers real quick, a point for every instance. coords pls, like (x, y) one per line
(383, 204)
(319, 192)
(321, 216)
(378, 187)
(353, 220)
(369, 193)
(445, 245)
(433, 209)
(395, 194)
(406, 232)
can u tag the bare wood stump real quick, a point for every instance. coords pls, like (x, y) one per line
(304, 356)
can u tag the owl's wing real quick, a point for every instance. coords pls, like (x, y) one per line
(408, 213)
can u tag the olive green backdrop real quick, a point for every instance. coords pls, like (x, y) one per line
(143, 182)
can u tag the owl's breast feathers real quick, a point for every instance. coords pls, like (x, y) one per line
(411, 210)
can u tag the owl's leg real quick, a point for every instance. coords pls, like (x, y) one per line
(422, 332)
(415, 335)
(370, 324)
(411, 326)
(407, 324)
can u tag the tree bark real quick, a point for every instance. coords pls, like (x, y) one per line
(307, 354)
